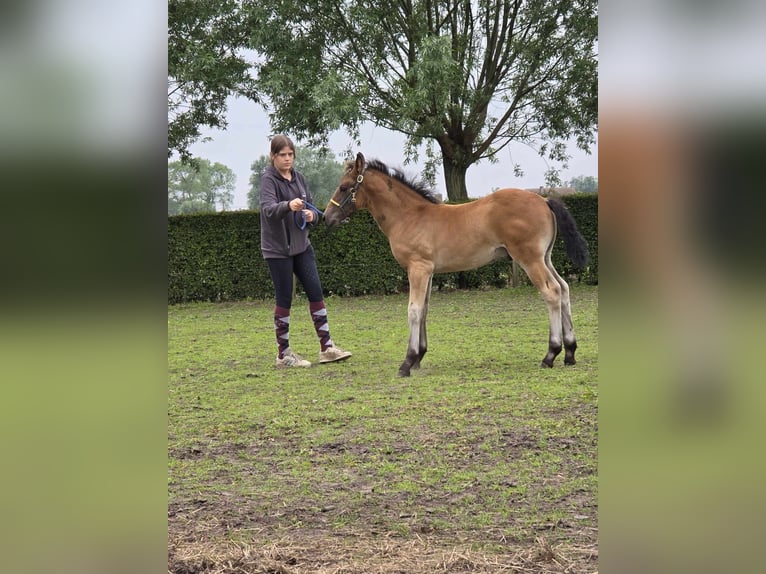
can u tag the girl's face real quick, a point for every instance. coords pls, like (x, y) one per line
(283, 160)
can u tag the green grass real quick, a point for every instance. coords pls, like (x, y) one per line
(479, 445)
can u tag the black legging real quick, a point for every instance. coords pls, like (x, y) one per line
(304, 266)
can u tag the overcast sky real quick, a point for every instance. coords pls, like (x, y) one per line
(247, 138)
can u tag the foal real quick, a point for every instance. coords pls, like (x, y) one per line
(427, 237)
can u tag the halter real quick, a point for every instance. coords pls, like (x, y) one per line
(351, 196)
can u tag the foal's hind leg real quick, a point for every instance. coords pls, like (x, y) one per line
(550, 289)
(570, 341)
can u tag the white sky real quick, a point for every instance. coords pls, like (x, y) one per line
(697, 59)
(247, 138)
(82, 75)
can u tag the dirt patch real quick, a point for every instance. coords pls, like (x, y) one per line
(318, 554)
(351, 522)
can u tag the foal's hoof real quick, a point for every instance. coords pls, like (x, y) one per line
(403, 373)
(546, 365)
(569, 361)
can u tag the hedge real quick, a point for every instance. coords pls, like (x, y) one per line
(584, 209)
(217, 257)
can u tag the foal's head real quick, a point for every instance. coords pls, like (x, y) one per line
(343, 202)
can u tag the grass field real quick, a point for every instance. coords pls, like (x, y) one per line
(480, 461)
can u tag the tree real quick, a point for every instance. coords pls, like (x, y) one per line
(198, 187)
(205, 67)
(322, 175)
(256, 170)
(584, 183)
(468, 76)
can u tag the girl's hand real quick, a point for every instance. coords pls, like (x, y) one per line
(296, 204)
(309, 215)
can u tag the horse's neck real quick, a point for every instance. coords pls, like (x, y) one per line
(388, 202)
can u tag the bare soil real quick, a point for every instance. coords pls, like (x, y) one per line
(228, 533)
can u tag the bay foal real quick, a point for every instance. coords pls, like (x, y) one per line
(427, 237)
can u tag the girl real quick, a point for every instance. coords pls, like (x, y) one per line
(285, 223)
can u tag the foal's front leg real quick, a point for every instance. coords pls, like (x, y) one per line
(420, 280)
(423, 342)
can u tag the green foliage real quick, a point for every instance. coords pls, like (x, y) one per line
(256, 171)
(584, 183)
(471, 76)
(205, 67)
(199, 186)
(321, 171)
(584, 209)
(217, 257)
(356, 259)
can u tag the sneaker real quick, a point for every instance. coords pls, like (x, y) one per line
(290, 359)
(333, 354)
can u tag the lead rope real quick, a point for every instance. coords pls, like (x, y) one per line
(300, 218)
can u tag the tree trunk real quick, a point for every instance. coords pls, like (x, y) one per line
(454, 179)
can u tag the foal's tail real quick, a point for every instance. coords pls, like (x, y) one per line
(576, 246)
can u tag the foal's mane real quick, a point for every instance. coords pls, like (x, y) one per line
(420, 187)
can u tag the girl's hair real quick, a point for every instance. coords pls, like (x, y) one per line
(278, 143)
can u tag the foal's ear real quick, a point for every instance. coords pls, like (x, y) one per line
(359, 166)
